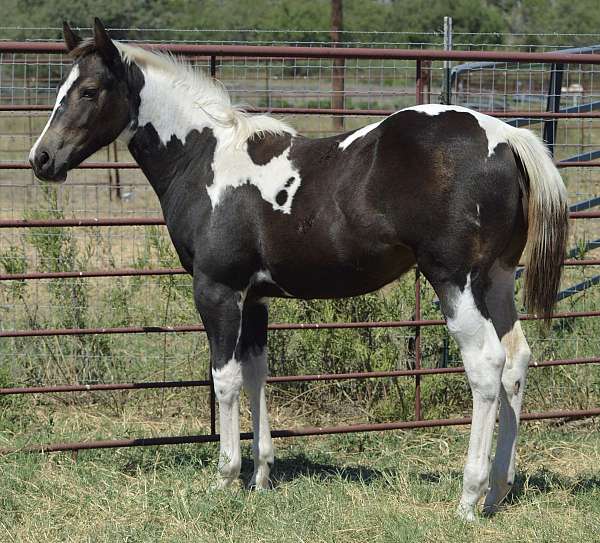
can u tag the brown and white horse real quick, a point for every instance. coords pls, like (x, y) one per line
(255, 210)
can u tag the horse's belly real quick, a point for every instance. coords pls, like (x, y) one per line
(342, 278)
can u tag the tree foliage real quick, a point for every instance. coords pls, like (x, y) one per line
(299, 21)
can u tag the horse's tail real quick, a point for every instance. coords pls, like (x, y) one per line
(547, 219)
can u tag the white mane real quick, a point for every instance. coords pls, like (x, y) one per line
(206, 94)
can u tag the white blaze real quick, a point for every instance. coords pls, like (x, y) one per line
(64, 89)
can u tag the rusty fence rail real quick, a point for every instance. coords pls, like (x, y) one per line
(212, 53)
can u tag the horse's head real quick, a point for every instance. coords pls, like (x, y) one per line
(91, 110)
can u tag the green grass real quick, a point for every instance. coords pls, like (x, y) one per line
(400, 486)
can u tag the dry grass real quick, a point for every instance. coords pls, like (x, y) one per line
(400, 486)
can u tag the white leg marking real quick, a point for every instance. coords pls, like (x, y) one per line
(255, 372)
(511, 395)
(228, 382)
(483, 357)
(64, 89)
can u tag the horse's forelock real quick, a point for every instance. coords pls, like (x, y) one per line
(86, 47)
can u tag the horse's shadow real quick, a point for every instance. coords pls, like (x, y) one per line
(541, 481)
(545, 481)
(285, 469)
(299, 465)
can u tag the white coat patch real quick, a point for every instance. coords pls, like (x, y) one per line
(277, 181)
(495, 130)
(175, 101)
(64, 89)
(361, 132)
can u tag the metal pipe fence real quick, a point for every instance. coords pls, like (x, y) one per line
(223, 57)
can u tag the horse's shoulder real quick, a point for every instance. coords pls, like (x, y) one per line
(262, 148)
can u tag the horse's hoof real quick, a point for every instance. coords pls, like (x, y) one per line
(225, 482)
(489, 510)
(466, 513)
(260, 483)
(495, 496)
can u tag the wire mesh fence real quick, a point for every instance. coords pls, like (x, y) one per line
(300, 89)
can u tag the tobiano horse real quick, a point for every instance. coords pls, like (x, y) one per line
(256, 211)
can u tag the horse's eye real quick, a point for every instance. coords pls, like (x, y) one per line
(90, 93)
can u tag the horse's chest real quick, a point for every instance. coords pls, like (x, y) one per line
(183, 214)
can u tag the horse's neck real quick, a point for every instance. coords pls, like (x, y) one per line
(171, 133)
(175, 150)
(192, 147)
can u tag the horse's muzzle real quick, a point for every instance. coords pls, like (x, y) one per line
(45, 166)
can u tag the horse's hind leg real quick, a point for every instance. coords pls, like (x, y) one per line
(254, 371)
(483, 357)
(500, 302)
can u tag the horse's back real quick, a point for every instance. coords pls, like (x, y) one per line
(419, 171)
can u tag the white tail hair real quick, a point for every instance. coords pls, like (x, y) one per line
(547, 221)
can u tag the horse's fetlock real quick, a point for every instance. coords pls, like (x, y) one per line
(230, 469)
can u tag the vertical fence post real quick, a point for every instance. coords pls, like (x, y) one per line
(417, 344)
(119, 194)
(213, 407)
(339, 64)
(419, 83)
(446, 93)
(554, 93)
(213, 66)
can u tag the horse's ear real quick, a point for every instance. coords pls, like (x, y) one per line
(71, 39)
(106, 48)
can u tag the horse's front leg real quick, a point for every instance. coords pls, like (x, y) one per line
(221, 311)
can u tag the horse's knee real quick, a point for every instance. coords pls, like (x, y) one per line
(227, 381)
(485, 371)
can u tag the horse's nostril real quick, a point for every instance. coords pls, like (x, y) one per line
(44, 157)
